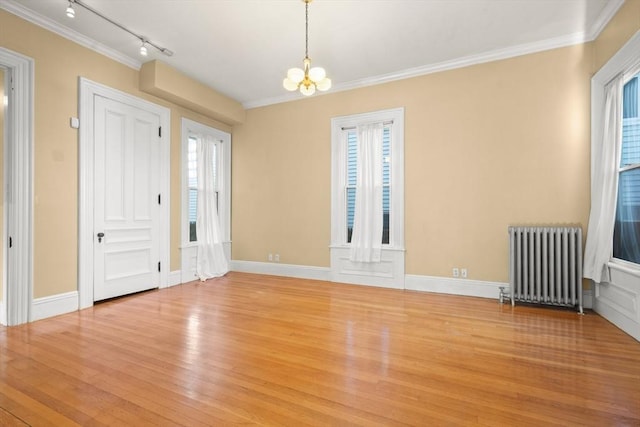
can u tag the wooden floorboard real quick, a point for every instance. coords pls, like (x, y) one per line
(264, 350)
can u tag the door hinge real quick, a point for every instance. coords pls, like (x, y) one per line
(160, 131)
(10, 242)
(159, 199)
(158, 266)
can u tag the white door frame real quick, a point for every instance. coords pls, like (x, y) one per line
(88, 90)
(18, 213)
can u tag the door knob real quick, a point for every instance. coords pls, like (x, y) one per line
(100, 236)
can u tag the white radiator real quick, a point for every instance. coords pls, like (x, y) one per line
(545, 265)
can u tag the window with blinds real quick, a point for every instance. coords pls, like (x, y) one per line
(626, 237)
(192, 183)
(350, 187)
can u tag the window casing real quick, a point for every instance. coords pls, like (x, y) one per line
(191, 132)
(192, 181)
(344, 158)
(626, 236)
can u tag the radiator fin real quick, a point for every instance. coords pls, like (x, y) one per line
(545, 265)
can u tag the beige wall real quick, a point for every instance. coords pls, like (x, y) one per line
(58, 64)
(486, 146)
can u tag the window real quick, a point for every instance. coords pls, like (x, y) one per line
(192, 182)
(389, 272)
(626, 236)
(350, 179)
(191, 133)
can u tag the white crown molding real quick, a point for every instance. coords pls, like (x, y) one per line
(467, 61)
(600, 23)
(53, 26)
(609, 11)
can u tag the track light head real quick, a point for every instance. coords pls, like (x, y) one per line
(71, 13)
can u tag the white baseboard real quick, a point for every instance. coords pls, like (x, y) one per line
(54, 305)
(175, 278)
(277, 269)
(446, 285)
(587, 298)
(3, 314)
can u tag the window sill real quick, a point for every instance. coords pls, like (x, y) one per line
(625, 266)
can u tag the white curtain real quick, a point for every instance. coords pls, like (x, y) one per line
(366, 240)
(211, 261)
(604, 186)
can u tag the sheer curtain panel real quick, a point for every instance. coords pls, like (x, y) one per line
(604, 186)
(211, 260)
(366, 241)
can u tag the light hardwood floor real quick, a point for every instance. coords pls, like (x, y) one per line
(264, 350)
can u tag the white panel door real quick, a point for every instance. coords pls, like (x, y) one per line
(126, 207)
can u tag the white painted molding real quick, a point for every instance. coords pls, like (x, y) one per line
(619, 301)
(609, 11)
(87, 91)
(19, 284)
(3, 314)
(277, 269)
(388, 273)
(587, 298)
(69, 34)
(175, 278)
(588, 35)
(54, 305)
(446, 285)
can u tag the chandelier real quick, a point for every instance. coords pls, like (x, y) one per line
(307, 79)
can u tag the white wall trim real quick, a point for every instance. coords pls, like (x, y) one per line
(18, 292)
(494, 55)
(54, 305)
(619, 300)
(88, 90)
(388, 273)
(277, 269)
(3, 314)
(446, 285)
(175, 278)
(53, 26)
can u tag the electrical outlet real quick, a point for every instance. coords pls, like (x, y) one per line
(276, 258)
(270, 257)
(463, 273)
(456, 272)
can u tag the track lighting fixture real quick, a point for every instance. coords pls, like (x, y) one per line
(143, 49)
(71, 13)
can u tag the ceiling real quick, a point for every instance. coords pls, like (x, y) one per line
(243, 48)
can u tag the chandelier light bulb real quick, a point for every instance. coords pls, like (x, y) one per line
(307, 90)
(289, 84)
(296, 75)
(324, 84)
(317, 74)
(71, 13)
